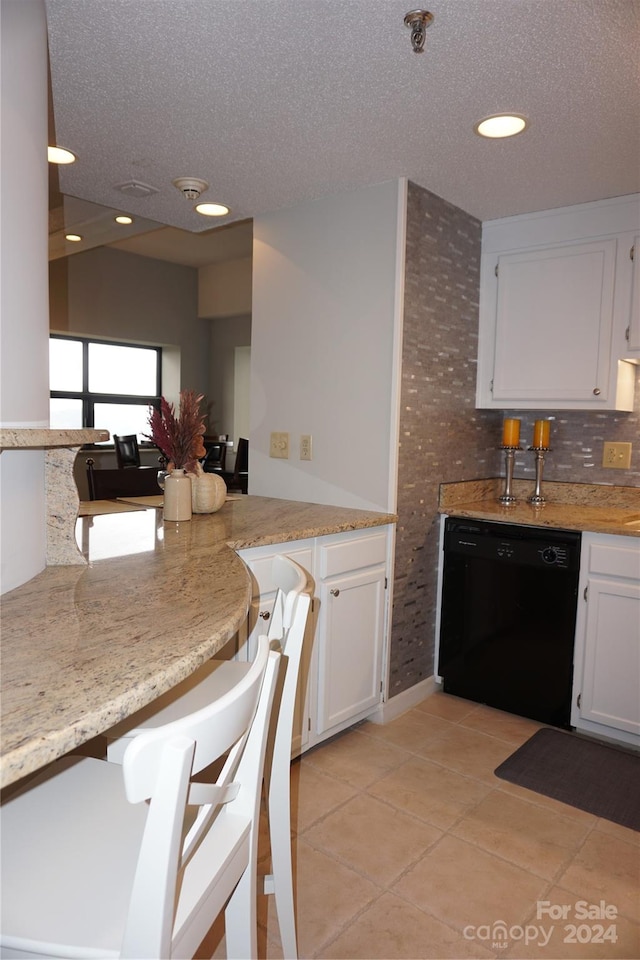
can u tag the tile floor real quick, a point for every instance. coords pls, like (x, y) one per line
(408, 846)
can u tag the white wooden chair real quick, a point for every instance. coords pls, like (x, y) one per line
(287, 627)
(94, 863)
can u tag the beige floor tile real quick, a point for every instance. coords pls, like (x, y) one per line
(468, 752)
(314, 795)
(329, 895)
(615, 830)
(447, 707)
(372, 838)
(465, 886)
(412, 731)
(355, 758)
(430, 791)
(504, 726)
(573, 937)
(392, 929)
(532, 837)
(606, 868)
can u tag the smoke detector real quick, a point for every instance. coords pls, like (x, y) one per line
(190, 187)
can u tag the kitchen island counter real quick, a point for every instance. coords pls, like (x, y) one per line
(85, 646)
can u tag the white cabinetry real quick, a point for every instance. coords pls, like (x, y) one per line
(633, 336)
(341, 673)
(606, 691)
(555, 294)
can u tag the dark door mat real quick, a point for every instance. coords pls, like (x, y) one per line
(591, 776)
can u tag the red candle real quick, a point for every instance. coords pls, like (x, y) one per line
(541, 431)
(511, 433)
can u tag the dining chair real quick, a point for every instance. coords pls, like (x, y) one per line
(238, 478)
(215, 458)
(287, 627)
(94, 863)
(127, 450)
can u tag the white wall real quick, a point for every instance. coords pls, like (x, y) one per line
(324, 341)
(24, 354)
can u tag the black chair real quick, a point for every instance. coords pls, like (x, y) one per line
(127, 452)
(110, 484)
(238, 479)
(215, 458)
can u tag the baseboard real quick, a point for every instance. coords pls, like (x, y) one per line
(385, 712)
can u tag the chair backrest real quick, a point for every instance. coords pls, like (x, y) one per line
(242, 456)
(215, 458)
(127, 452)
(158, 767)
(108, 484)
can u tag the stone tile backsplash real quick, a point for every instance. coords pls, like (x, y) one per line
(443, 438)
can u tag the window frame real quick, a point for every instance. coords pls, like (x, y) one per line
(89, 399)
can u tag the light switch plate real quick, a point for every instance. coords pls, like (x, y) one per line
(617, 455)
(279, 446)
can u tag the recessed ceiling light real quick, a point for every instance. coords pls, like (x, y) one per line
(60, 155)
(501, 125)
(73, 237)
(212, 209)
(123, 219)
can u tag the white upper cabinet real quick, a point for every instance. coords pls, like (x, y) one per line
(555, 307)
(633, 335)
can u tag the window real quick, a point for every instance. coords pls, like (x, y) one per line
(95, 383)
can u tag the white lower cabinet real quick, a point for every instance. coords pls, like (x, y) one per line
(606, 692)
(341, 673)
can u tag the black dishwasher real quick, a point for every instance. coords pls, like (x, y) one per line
(508, 615)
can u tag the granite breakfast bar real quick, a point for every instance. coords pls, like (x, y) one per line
(84, 646)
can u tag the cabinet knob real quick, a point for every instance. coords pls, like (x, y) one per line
(596, 391)
(335, 592)
(265, 614)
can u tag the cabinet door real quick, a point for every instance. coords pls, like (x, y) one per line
(350, 646)
(554, 320)
(610, 692)
(634, 320)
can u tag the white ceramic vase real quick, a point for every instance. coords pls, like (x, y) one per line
(177, 496)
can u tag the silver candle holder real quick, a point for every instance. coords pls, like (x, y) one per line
(509, 460)
(536, 496)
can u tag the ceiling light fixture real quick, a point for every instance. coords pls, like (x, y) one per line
(418, 21)
(190, 187)
(123, 219)
(60, 155)
(73, 237)
(501, 125)
(212, 209)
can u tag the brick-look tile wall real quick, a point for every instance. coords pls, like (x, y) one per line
(443, 437)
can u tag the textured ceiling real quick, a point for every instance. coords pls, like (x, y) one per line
(275, 102)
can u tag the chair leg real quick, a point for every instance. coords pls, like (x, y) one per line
(281, 858)
(241, 921)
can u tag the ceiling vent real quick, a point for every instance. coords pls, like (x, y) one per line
(134, 188)
(190, 187)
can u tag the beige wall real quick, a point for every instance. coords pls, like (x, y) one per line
(224, 289)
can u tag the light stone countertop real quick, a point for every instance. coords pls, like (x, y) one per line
(85, 646)
(569, 506)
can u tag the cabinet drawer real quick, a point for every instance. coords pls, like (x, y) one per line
(336, 558)
(615, 560)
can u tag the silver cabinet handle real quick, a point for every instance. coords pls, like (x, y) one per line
(596, 391)
(265, 615)
(335, 592)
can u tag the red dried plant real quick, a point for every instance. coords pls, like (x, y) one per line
(179, 437)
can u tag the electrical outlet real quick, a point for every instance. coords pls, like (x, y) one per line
(305, 446)
(279, 446)
(617, 455)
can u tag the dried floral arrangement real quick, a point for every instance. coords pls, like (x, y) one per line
(179, 437)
